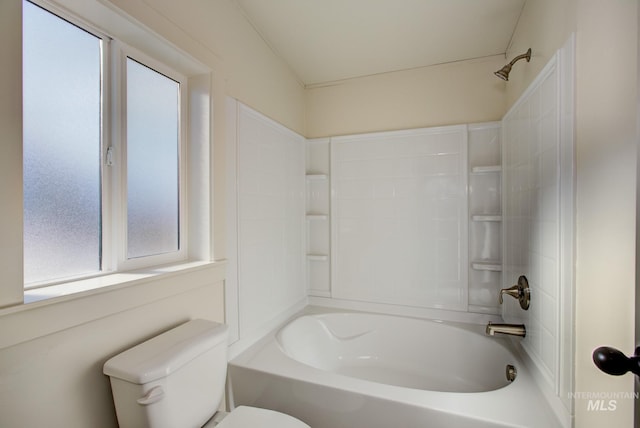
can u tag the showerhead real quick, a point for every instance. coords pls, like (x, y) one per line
(503, 73)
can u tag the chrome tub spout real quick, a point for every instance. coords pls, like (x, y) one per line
(510, 329)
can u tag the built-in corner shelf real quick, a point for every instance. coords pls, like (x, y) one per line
(318, 217)
(317, 176)
(486, 217)
(482, 309)
(493, 266)
(486, 169)
(485, 221)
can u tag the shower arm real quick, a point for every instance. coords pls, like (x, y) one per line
(503, 73)
(526, 55)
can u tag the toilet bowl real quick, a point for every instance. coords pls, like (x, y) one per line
(245, 416)
(177, 379)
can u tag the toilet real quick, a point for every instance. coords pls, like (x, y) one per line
(177, 379)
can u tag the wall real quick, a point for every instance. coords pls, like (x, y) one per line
(606, 184)
(447, 94)
(399, 218)
(390, 227)
(544, 26)
(607, 34)
(266, 207)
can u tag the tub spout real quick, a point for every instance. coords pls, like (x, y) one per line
(511, 329)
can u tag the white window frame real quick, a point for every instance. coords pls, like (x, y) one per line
(116, 235)
(114, 138)
(143, 45)
(106, 40)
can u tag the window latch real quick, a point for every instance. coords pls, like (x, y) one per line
(109, 156)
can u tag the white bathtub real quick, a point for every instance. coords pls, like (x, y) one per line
(353, 370)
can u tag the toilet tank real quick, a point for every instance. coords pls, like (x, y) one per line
(175, 379)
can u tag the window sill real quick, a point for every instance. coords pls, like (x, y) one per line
(70, 304)
(99, 284)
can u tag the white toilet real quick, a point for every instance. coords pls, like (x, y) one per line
(177, 379)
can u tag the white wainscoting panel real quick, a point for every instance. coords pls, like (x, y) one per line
(271, 220)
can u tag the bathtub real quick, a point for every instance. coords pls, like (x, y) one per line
(351, 370)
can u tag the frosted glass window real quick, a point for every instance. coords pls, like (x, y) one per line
(152, 162)
(61, 147)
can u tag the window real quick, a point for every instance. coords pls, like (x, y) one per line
(62, 91)
(153, 129)
(102, 153)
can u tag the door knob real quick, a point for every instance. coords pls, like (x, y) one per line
(614, 362)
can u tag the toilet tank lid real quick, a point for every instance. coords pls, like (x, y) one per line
(162, 355)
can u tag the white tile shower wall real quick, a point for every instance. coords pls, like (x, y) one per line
(400, 217)
(532, 216)
(271, 213)
(538, 211)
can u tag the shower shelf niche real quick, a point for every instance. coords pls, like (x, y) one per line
(314, 176)
(317, 216)
(318, 224)
(486, 169)
(494, 266)
(485, 219)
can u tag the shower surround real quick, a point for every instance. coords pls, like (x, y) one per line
(411, 223)
(407, 219)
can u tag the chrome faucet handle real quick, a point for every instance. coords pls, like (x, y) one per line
(513, 291)
(519, 291)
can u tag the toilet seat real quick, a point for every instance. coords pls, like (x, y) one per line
(244, 417)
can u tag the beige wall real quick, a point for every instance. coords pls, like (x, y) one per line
(544, 26)
(606, 139)
(606, 191)
(460, 92)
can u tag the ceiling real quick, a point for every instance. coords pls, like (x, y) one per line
(329, 40)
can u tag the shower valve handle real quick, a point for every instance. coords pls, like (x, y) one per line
(513, 291)
(519, 291)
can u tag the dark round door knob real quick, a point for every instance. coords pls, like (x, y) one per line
(614, 362)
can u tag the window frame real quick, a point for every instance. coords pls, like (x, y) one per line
(113, 165)
(105, 42)
(116, 258)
